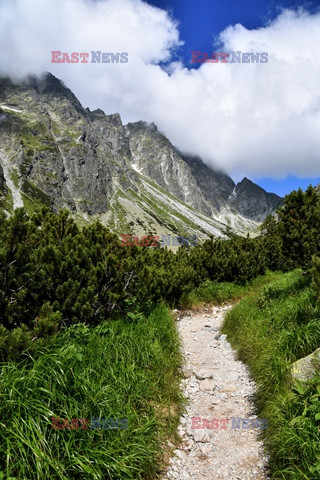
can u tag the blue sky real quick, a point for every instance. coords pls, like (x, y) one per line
(282, 187)
(200, 21)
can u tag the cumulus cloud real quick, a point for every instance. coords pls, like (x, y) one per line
(253, 119)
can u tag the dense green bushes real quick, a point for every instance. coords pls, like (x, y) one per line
(294, 238)
(53, 274)
(236, 260)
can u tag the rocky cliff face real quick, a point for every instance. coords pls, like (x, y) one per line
(55, 152)
(253, 201)
(216, 187)
(189, 179)
(62, 155)
(154, 156)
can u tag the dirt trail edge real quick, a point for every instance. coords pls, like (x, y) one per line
(217, 386)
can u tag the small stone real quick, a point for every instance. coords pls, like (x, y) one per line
(201, 435)
(202, 374)
(206, 449)
(207, 385)
(211, 329)
(187, 373)
(230, 389)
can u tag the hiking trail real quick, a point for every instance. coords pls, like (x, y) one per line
(217, 386)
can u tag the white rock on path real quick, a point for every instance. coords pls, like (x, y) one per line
(202, 374)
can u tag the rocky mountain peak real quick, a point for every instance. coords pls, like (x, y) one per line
(252, 201)
(48, 84)
(55, 152)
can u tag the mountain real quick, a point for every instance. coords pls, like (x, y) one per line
(54, 152)
(253, 201)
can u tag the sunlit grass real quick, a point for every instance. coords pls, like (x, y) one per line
(271, 330)
(120, 369)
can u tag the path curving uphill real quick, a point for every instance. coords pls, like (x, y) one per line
(217, 386)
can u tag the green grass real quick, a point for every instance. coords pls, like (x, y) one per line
(271, 329)
(31, 205)
(211, 292)
(121, 369)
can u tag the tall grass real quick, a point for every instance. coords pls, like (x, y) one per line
(220, 292)
(270, 331)
(120, 369)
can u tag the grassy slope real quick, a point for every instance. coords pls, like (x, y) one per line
(120, 369)
(270, 330)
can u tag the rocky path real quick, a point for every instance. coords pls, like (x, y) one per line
(217, 387)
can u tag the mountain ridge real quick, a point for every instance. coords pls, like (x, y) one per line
(57, 153)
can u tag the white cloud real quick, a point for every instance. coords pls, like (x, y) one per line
(259, 119)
